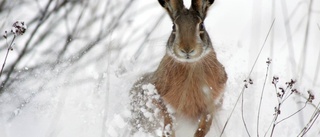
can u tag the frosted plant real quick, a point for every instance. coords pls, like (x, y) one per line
(18, 28)
(145, 115)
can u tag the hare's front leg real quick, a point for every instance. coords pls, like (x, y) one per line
(168, 126)
(167, 130)
(204, 125)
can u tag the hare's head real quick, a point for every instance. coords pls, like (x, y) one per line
(189, 40)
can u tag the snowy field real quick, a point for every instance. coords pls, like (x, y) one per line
(70, 74)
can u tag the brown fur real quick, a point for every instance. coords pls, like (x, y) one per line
(180, 84)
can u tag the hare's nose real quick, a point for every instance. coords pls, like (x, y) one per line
(187, 51)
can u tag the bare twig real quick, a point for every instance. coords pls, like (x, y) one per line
(242, 116)
(277, 113)
(264, 43)
(272, 35)
(5, 58)
(229, 117)
(305, 104)
(261, 97)
(313, 118)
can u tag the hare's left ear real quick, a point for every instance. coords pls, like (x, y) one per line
(173, 7)
(201, 6)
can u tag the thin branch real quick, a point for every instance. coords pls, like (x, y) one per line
(264, 43)
(261, 97)
(286, 97)
(277, 113)
(242, 116)
(311, 123)
(313, 118)
(293, 113)
(229, 117)
(5, 59)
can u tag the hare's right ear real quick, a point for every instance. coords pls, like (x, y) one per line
(201, 6)
(173, 7)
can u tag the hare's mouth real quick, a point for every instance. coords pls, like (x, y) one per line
(188, 57)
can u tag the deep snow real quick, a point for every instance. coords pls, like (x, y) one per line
(91, 97)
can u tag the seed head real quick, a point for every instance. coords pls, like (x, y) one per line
(19, 28)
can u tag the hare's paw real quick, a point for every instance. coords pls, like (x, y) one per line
(200, 133)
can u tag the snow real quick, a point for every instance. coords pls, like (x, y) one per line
(167, 131)
(206, 90)
(144, 114)
(91, 97)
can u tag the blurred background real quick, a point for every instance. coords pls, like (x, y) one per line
(71, 72)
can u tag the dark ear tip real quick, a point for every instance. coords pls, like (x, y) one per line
(162, 2)
(210, 1)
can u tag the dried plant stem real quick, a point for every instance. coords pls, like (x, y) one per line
(261, 97)
(242, 115)
(229, 117)
(277, 110)
(275, 119)
(276, 114)
(287, 96)
(272, 35)
(313, 118)
(5, 58)
(264, 43)
(293, 113)
(276, 91)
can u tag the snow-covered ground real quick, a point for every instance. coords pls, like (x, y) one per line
(87, 94)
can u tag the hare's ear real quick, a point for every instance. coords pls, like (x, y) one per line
(201, 6)
(173, 7)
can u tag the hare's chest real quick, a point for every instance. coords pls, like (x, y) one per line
(190, 100)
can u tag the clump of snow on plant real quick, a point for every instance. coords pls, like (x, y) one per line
(145, 116)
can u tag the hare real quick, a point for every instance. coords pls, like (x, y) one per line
(189, 78)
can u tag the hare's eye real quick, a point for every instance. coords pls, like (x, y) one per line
(201, 27)
(173, 29)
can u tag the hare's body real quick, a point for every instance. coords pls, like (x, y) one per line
(189, 78)
(190, 88)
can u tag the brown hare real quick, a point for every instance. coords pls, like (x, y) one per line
(189, 78)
